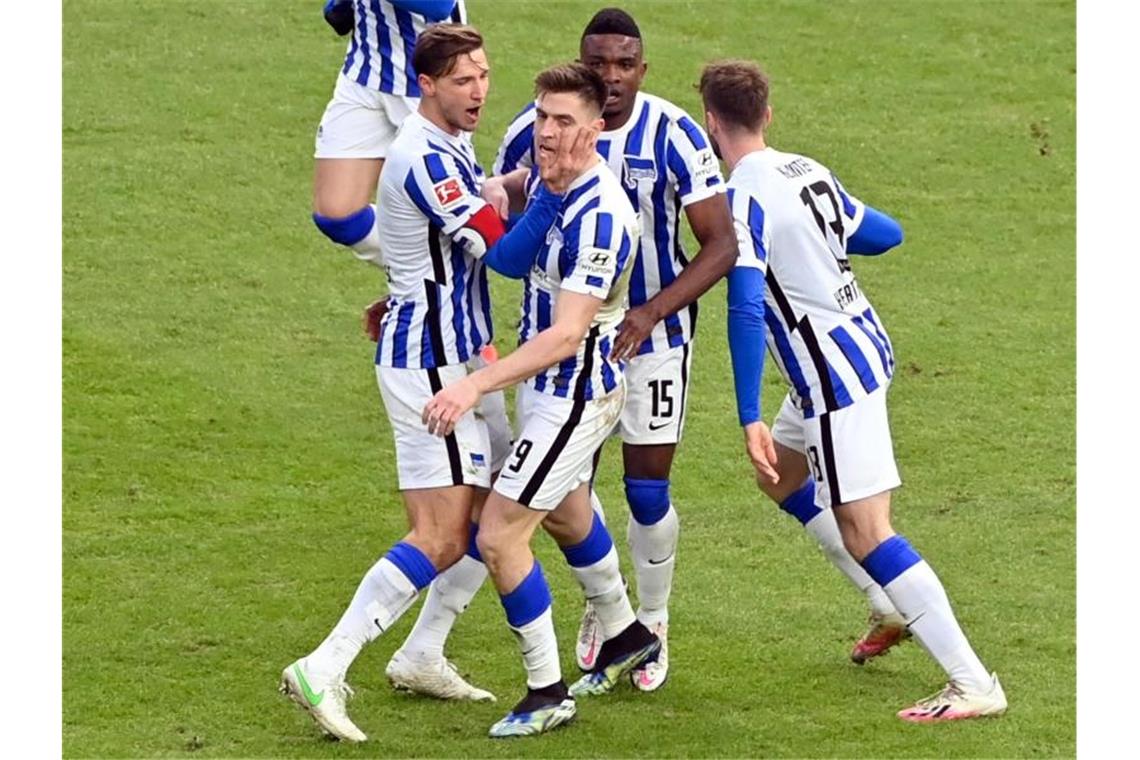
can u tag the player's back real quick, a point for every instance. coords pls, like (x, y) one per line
(439, 302)
(588, 251)
(379, 54)
(822, 330)
(664, 162)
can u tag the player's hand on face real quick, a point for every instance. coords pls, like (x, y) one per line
(762, 452)
(496, 196)
(573, 155)
(371, 318)
(632, 332)
(445, 409)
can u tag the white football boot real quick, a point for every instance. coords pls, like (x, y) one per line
(589, 639)
(323, 700)
(435, 678)
(955, 703)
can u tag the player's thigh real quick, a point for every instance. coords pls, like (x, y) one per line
(352, 140)
(792, 467)
(424, 460)
(440, 520)
(850, 452)
(657, 393)
(554, 451)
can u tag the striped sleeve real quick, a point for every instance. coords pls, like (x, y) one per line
(439, 190)
(517, 148)
(600, 255)
(692, 163)
(753, 237)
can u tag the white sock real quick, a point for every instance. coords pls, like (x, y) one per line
(539, 648)
(596, 504)
(919, 596)
(368, 247)
(447, 597)
(384, 594)
(605, 591)
(826, 531)
(654, 552)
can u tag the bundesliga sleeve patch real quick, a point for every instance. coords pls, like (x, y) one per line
(448, 193)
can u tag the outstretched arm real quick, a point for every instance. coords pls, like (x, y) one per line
(572, 317)
(711, 222)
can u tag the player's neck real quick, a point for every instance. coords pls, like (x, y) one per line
(430, 111)
(619, 120)
(735, 148)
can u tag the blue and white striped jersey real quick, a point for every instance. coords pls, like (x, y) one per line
(588, 251)
(439, 304)
(664, 162)
(379, 54)
(792, 221)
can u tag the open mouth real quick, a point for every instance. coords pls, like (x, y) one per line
(612, 97)
(473, 113)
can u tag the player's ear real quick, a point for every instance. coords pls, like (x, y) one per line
(767, 117)
(710, 122)
(427, 84)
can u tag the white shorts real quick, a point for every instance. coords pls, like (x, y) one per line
(658, 392)
(360, 122)
(557, 440)
(849, 451)
(478, 446)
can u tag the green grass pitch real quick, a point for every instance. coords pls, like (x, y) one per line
(229, 471)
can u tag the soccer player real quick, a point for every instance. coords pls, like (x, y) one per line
(663, 160)
(570, 402)
(439, 236)
(793, 288)
(375, 91)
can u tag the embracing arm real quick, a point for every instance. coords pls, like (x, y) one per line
(711, 222)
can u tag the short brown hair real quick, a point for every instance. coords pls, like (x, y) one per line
(439, 46)
(737, 92)
(575, 77)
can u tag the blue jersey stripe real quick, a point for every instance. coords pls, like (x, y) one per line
(521, 145)
(870, 317)
(485, 297)
(756, 228)
(362, 26)
(566, 369)
(434, 164)
(387, 72)
(353, 46)
(427, 353)
(874, 342)
(408, 37)
(842, 395)
(788, 359)
(609, 381)
(578, 192)
(524, 323)
(665, 275)
(855, 358)
(466, 169)
(400, 340)
(458, 293)
(603, 230)
(692, 132)
(603, 148)
(543, 315)
(413, 190)
(637, 134)
(680, 171)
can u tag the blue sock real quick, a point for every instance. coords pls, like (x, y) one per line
(889, 560)
(591, 549)
(347, 230)
(648, 499)
(801, 504)
(529, 599)
(413, 563)
(472, 546)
